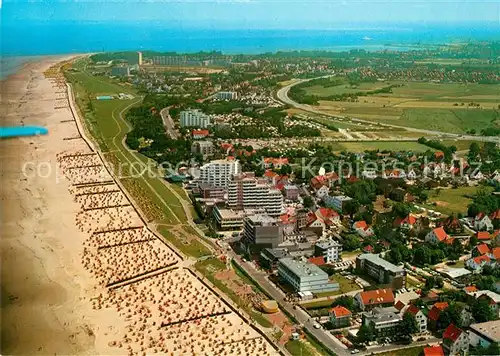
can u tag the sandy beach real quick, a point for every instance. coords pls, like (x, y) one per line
(81, 273)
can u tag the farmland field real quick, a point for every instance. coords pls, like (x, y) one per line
(454, 108)
(382, 145)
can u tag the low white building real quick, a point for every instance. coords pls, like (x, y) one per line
(305, 276)
(484, 334)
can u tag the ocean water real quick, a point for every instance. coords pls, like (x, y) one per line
(77, 37)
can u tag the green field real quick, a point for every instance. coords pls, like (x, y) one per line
(300, 348)
(190, 246)
(449, 201)
(381, 145)
(433, 106)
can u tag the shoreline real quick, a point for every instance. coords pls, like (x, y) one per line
(85, 250)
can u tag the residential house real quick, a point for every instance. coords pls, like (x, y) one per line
(291, 192)
(330, 250)
(495, 238)
(199, 134)
(483, 236)
(434, 314)
(412, 175)
(339, 316)
(476, 175)
(482, 222)
(480, 250)
(336, 202)
(437, 235)
(419, 317)
(322, 192)
(374, 298)
(492, 298)
(477, 263)
(394, 174)
(363, 229)
(401, 195)
(314, 224)
(329, 216)
(455, 341)
(275, 162)
(406, 223)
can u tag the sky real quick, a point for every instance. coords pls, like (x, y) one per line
(258, 14)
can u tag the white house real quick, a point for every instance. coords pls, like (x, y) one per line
(482, 222)
(455, 341)
(436, 236)
(477, 175)
(477, 263)
(322, 192)
(419, 317)
(363, 229)
(412, 175)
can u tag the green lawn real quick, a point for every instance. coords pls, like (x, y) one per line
(300, 348)
(450, 201)
(189, 246)
(345, 88)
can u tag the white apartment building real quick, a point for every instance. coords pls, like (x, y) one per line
(227, 95)
(245, 191)
(218, 172)
(329, 249)
(194, 118)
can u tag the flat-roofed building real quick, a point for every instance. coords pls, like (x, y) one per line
(194, 118)
(484, 334)
(218, 172)
(329, 249)
(381, 270)
(245, 191)
(305, 276)
(205, 148)
(228, 219)
(208, 191)
(269, 257)
(262, 230)
(227, 95)
(337, 202)
(385, 322)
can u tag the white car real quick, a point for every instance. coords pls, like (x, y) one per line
(317, 326)
(355, 351)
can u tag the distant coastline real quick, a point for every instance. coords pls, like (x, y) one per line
(48, 39)
(11, 64)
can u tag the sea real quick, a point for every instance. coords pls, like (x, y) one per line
(21, 42)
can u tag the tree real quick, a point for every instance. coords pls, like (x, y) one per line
(345, 301)
(439, 282)
(474, 150)
(430, 282)
(365, 334)
(481, 311)
(395, 256)
(351, 242)
(308, 202)
(422, 255)
(409, 325)
(351, 207)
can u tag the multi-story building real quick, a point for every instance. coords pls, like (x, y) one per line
(194, 118)
(385, 322)
(329, 249)
(374, 299)
(120, 71)
(291, 192)
(419, 317)
(228, 219)
(381, 270)
(455, 341)
(208, 191)
(269, 257)
(205, 148)
(218, 172)
(305, 276)
(139, 60)
(169, 60)
(245, 191)
(484, 334)
(227, 95)
(262, 230)
(337, 202)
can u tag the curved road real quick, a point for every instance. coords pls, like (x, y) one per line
(282, 95)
